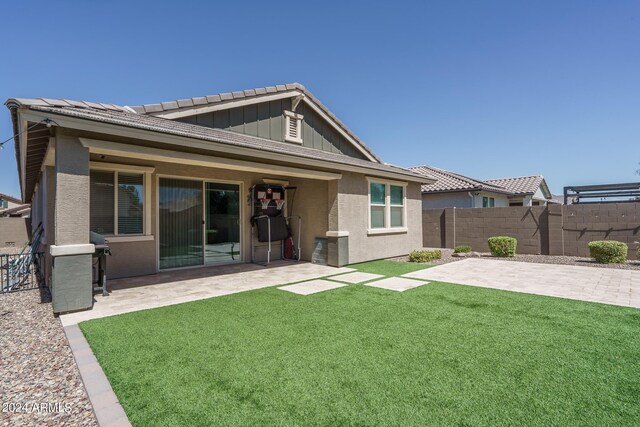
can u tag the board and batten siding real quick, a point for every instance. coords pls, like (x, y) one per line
(266, 120)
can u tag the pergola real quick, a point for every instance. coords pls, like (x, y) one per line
(602, 191)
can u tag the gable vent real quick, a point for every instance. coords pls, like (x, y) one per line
(293, 127)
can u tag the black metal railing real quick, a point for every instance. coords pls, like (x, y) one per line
(20, 272)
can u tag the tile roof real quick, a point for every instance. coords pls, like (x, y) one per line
(123, 116)
(449, 181)
(519, 185)
(21, 210)
(10, 198)
(229, 97)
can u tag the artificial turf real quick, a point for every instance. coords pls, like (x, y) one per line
(439, 354)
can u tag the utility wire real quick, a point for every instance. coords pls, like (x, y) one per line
(47, 121)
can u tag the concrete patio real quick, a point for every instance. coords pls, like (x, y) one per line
(179, 286)
(603, 285)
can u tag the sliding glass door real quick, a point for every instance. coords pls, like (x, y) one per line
(222, 223)
(199, 223)
(180, 223)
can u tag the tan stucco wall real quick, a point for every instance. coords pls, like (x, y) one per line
(139, 258)
(323, 205)
(353, 216)
(13, 232)
(131, 259)
(311, 204)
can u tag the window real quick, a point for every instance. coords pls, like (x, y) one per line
(488, 202)
(117, 203)
(293, 127)
(4, 204)
(378, 204)
(386, 206)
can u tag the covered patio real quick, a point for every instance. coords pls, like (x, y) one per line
(179, 286)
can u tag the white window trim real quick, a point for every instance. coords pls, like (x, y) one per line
(388, 229)
(288, 116)
(146, 207)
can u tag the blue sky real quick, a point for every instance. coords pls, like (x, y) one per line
(485, 88)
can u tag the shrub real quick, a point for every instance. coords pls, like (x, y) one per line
(502, 246)
(424, 256)
(608, 251)
(462, 249)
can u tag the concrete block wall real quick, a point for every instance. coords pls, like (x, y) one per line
(553, 229)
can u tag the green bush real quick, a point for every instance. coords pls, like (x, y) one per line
(608, 251)
(502, 246)
(424, 256)
(462, 249)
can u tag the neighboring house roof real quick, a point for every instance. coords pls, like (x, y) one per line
(22, 210)
(189, 106)
(9, 198)
(448, 181)
(520, 185)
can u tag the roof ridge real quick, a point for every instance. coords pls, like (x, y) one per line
(515, 177)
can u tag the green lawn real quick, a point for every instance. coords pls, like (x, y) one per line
(439, 354)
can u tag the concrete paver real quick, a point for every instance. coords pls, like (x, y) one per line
(398, 284)
(603, 285)
(179, 286)
(312, 287)
(356, 277)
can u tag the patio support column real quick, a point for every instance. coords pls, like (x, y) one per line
(337, 240)
(71, 281)
(48, 220)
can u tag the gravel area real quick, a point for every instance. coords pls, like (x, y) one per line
(40, 383)
(447, 256)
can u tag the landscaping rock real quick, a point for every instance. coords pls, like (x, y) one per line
(40, 382)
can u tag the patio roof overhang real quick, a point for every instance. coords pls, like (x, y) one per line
(219, 154)
(109, 148)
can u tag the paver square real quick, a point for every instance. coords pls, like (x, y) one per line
(311, 287)
(356, 277)
(399, 284)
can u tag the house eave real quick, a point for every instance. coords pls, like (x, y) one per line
(88, 125)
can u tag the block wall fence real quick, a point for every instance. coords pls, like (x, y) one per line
(547, 230)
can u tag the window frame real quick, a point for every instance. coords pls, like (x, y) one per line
(146, 173)
(491, 202)
(387, 229)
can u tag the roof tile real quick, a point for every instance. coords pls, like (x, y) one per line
(449, 181)
(519, 184)
(185, 103)
(171, 105)
(152, 108)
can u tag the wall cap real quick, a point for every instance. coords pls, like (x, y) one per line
(337, 234)
(65, 250)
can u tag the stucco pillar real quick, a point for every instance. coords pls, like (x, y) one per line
(337, 240)
(71, 251)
